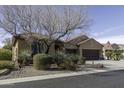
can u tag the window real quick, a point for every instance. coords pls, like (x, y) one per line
(34, 48)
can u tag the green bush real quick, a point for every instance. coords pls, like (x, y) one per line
(82, 60)
(69, 65)
(67, 62)
(42, 61)
(24, 57)
(6, 65)
(5, 54)
(108, 54)
(73, 57)
(58, 58)
(116, 55)
(9, 47)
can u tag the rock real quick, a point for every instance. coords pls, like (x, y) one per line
(4, 72)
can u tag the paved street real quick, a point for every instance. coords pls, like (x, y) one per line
(114, 79)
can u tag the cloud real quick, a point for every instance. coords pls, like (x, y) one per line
(113, 39)
(108, 30)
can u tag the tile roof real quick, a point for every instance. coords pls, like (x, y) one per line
(108, 46)
(89, 40)
(77, 40)
(114, 46)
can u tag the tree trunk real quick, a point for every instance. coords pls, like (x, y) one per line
(47, 51)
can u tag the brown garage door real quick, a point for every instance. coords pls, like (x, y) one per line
(91, 54)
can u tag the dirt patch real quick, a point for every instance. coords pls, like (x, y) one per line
(29, 71)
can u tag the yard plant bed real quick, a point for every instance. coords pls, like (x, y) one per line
(4, 72)
(29, 71)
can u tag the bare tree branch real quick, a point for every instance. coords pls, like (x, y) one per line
(51, 21)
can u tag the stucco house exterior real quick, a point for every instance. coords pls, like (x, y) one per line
(33, 46)
(85, 46)
(82, 45)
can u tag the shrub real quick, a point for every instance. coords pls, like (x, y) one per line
(69, 65)
(117, 55)
(83, 60)
(9, 47)
(42, 61)
(24, 57)
(5, 54)
(68, 62)
(6, 65)
(58, 58)
(74, 58)
(108, 54)
(122, 57)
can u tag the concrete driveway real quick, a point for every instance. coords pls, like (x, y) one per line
(113, 65)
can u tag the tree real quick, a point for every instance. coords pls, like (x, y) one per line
(108, 54)
(7, 43)
(18, 19)
(56, 24)
(51, 21)
(117, 54)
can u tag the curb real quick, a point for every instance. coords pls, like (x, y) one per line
(5, 72)
(53, 76)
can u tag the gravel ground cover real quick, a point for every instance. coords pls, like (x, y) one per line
(29, 71)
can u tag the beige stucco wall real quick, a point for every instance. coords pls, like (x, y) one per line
(20, 45)
(69, 46)
(52, 49)
(24, 45)
(91, 44)
(101, 53)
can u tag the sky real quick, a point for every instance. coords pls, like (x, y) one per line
(107, 25)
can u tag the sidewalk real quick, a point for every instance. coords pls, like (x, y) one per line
(110, 67)
(113, 65)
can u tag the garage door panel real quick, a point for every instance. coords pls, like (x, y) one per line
(91, 54)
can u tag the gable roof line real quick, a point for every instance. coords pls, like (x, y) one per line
(88, 40)
(76, 38)
(84, 41)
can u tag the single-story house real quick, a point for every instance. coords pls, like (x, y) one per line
(33, 45)
(82, 45)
